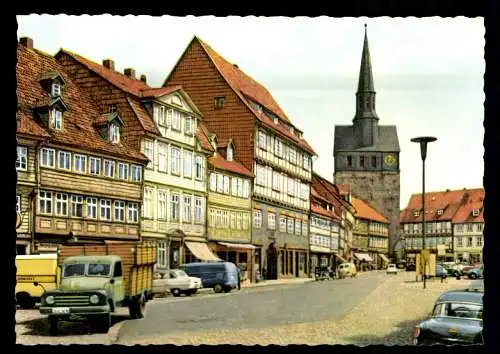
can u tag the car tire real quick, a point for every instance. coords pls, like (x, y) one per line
(227, 289)
(472, 276)
(176, 292)
(218, 288)
(53, 325)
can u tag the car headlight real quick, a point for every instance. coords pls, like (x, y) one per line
(49, 300)
(94, 299)
(417, 332)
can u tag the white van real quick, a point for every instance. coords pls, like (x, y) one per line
(347, 270)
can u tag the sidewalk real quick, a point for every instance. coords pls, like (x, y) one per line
(273, 282)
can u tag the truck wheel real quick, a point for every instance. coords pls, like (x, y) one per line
(25, 301)
(176, 292)
(141, 306)
(218, 288)
(102, 323)
(53, 325)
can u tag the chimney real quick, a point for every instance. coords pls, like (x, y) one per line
(130, 72)
(236, 66)
(26, 42)
(143, 78)
(108, 63)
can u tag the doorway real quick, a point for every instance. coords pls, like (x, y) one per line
(272, 262)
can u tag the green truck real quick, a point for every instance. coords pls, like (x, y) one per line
(96, 279)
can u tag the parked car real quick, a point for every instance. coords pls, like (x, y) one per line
(177, 282)
(392, 269)
(439, 273)
(457, 318)
(475, 273)
(347, 270)
(411, 267)
(453, 269)
(221, 276)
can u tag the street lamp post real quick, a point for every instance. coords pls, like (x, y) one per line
(423, 141)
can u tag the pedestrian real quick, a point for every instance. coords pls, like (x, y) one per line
(239, 279)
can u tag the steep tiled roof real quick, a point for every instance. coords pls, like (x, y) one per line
(142, 115)
(475, 198)
(449, 201)
(247, 88)
(77, 129)
(365, 211)
(316, 208)
(202, 136)
(125, 83)
(160, 91)
(343, 188)
(27, 126)
(219, 162)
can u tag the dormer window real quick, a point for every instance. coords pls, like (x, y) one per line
(219, 102)
(229, 153)
(112, 108)
(416, 213)
(440, 212)
(275, 120)
(475, 212)
(55, 119)
(56, 89)
(291, 130)
(114, 134)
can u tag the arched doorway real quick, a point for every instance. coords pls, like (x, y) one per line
(272, 262)
(173, 248)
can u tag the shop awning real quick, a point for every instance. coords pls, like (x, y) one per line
(201, 251)
(383, 257)
(237, 245)
(363, 257)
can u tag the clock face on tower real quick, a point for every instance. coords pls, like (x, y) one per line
(390, 160)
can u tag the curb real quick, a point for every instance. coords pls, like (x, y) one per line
(114, 331)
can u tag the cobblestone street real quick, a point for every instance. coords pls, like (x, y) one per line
(386, 316)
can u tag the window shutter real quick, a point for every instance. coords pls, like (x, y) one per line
(155, 155)
(156, 113)
(170, 112)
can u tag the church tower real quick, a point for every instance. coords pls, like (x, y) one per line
(366, 154)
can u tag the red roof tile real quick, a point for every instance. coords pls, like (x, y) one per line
(219, 162)
(343, 189)
(78, 129)
(318, 209)
(160, 91)
(202, 136)
(449, 201)
(142, 115)
(125, 83)
(365, 211)
(245, 86)
(475, 198)
(27, 126)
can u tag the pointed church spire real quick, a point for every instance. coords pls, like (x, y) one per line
(365, 96)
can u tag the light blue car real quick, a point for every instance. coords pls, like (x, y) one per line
(475, 273)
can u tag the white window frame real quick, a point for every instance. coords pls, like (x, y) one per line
(109, 168)
(56, 89)
(114, 133)
(136, 173)
(48, 157)
(278, 147)
(186, 208)
(290, 184)
(22, 158)
(105, 206)
(220, 183)
(199, 168)
(175, 160)
(257, 218)
(234, 186)
(292, 155)
(246, 188)
(79, 163)
(162, 254)
(161, 115)
(18, 203)
(290, 224)
(240, 187)
(198, 211)
(213, 181)
(64, 157)
(176, 120)
(262, 139)
(95, 162)
(261, 176)
(298, 226)
(133, 212)
(91, 208)
(162, 205)
(304, 227)
(149, 152)
(123, 171)
(226, 184)
(162, 157)
(55, 117)
(147, 203)
(271, 220)
(174, 206)
(188, 125)
(119, 210)
(282, 224)
(188, 163)
(76, 200)
(305, 162)
(61, 204)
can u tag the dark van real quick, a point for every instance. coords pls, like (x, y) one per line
(221, 276)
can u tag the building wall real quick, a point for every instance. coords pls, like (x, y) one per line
(468, 240)
(381, 189)
(202, 82)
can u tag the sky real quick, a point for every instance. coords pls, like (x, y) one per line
(428, 75)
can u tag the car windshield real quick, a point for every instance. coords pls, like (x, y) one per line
(98, 269)
(74, 270)
(181, 273)
(459, 309)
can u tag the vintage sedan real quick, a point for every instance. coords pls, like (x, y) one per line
(177, 282)
(457, 318)
(475, 273)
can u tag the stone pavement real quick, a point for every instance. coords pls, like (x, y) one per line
(388, 317)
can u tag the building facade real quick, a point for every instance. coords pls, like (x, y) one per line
(448, 214)
(229, 208)
(236, 106)
(367, 154)
(78, 181)
(163, 124)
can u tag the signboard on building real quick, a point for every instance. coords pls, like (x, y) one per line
(441, 250)
(430, 263)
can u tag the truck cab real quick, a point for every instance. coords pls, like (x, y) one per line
(90, 287)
